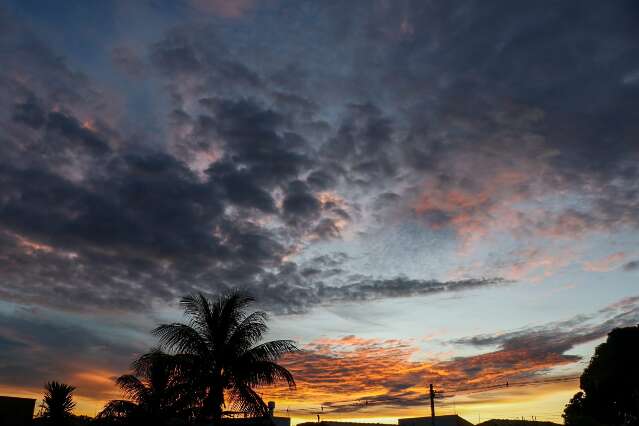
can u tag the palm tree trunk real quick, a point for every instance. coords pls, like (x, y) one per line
(214, 404)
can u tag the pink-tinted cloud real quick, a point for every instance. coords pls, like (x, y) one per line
(391, 372)
(385, 373)
(605, 264)
(535, 264)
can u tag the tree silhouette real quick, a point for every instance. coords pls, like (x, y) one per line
(156, 392)
(57, 403)
(610, 384)
(224, 360)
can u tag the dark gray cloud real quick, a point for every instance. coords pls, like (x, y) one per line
(218, 154)
(300, 203)
(394, 109)
(543, 90)
(631, 266)
(554, 340)
(373, 289)
(198, 52)
(325, 280)
(258, 151)
(30, 113)
(74, 354)
(86, 216)
(352, 364)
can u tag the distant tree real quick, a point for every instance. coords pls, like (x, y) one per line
(225, 359)
(57, 404)
(575, 413)
(155, 393)
(82, 420)
(610, 384)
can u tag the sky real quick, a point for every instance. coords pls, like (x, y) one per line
(416, 192)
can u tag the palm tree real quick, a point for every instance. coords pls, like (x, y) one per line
(155, 392)
(57, 403)
(225, 360)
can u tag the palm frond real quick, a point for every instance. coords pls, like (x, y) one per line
(245, 399)
(197, 308)
(265, 373)
(217, 353)
(161, 370)
(57, 402)
(248, 332)
(270, 351)
(162, 388)
(232, 313)
(117, 409)
(181, 338)
(144, 364)
(132, 388)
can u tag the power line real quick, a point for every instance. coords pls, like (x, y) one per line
(362, 403)
(488, 388)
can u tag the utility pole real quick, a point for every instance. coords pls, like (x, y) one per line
(432, 405)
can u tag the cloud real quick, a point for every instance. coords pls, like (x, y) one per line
(261, 159)
(370, 289)
(363, 145)
(432, 151)
(279, 128)
(555, 339)
(127, 224)
(462, 136)
(605, 264)
(631, 266)
(300, 203)
(325, 280)
(389, 372)
(38, 348)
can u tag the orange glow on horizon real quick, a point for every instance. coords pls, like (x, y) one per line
(546, 402)
(341, 374)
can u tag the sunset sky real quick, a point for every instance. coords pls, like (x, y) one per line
(417, 192)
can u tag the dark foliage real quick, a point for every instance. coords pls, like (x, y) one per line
(57, 404)
(156, 393)
(222, 359)
(217, 358)
(610, 384)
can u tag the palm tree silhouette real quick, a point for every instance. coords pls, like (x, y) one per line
(57, 403)
(156, 392)
(224, 358)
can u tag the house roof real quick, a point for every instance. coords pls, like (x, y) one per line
(450, 420)
(508, 422)
(337, 423)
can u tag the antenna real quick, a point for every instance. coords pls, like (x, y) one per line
(432, 404)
